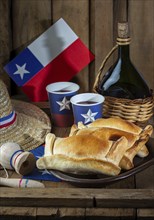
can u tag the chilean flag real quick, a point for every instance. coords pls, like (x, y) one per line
(56, 55)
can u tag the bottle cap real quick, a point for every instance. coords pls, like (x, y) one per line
(123, 31)
(123, 34)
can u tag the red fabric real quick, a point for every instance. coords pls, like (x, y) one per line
(71, 61)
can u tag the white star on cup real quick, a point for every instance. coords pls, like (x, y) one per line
(64, 104)
(89, 117)
(21, 70)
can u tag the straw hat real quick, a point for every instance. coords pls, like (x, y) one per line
(21, 122)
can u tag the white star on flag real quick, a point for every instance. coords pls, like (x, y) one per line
(64, 104)
(38, 156)
(89, 117)
(21, 70)
(45, 172)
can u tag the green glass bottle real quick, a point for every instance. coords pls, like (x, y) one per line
(122, 80)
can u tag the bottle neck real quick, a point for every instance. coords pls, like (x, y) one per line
(123, 52)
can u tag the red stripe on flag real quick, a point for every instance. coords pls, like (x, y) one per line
(71, 61)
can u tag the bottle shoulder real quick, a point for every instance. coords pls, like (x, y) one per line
(123, 80)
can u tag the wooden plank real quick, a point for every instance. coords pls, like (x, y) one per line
(19, 211)
(112, 212)
(46, 197)
(74, 212)
(145, 213)
(38, 19)
(120, 14)
(18, 217)
(29, 19)
(145, 179)
(128, 183)
(141, 18)
(61, 184)
(76, 14)
(130, 198)
(67, 212)
(47, 211)
(77, 197)
(62, 212)
(101, 34)
(5, 39)
(40, 211)
(120, 11)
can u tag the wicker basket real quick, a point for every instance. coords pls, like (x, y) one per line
(138, 111)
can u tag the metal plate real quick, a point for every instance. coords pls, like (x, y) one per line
(100, 180)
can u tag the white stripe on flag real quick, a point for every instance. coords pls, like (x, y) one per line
(52, 42)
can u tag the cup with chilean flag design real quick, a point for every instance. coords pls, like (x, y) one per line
(87, 107)
(59, 95)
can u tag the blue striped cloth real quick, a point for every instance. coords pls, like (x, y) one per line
(40, 174)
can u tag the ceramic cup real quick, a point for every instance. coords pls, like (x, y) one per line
(59, 95)
(87, 107)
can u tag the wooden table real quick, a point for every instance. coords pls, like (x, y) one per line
(131, 198)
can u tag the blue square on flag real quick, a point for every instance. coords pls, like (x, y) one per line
(23, 67)
(40, 174)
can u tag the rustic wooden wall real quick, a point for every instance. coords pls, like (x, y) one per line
(94, 21)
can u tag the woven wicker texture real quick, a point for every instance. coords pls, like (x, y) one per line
(138, 110)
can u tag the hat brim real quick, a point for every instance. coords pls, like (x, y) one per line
(30, 128)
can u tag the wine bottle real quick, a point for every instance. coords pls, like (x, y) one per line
(122, 80)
